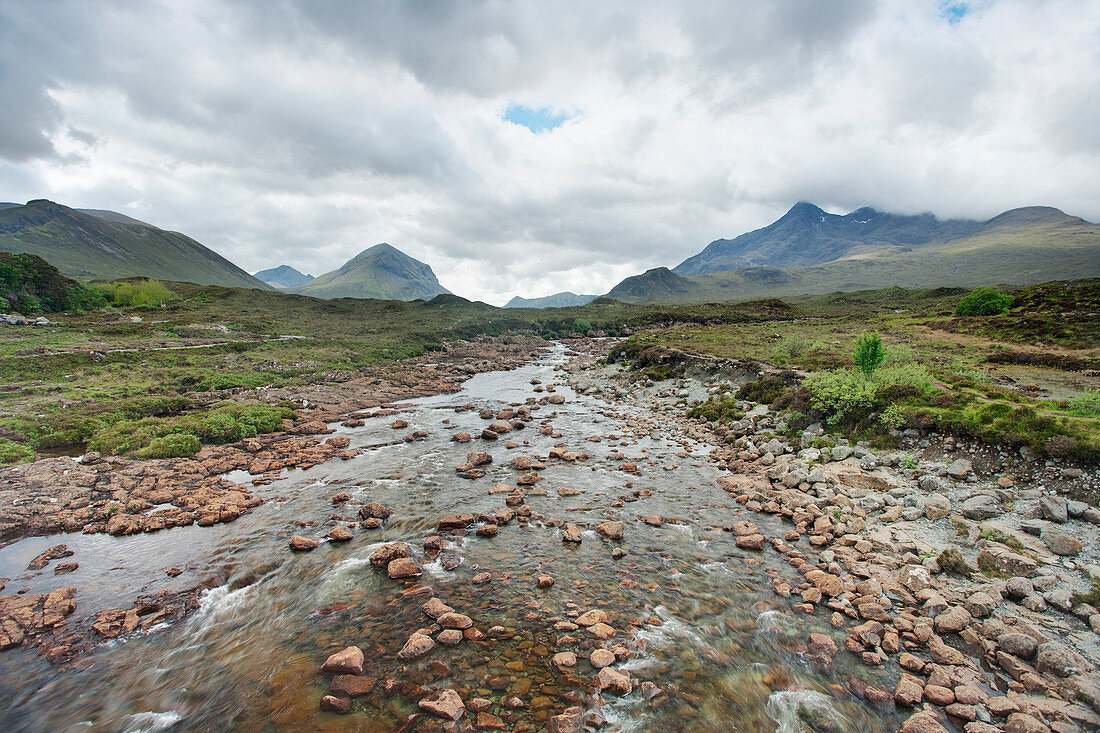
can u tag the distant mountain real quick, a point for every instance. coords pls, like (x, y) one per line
(106, 244)
(283, 276)
(1022, 246)
(657, 285)
(557, 300)
(807, 235)
(381, 272)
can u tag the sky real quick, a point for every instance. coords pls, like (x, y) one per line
(531, 147)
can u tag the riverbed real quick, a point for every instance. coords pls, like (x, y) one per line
(696, 614)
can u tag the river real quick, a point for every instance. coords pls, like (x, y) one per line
(697, 614)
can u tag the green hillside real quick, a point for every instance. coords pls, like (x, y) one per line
(381, 272)
(89, 245)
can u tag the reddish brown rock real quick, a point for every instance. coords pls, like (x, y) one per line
(350, 685)
(445, 704)
(347, 661)
(303, 544)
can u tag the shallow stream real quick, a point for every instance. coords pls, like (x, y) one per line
(697, 613)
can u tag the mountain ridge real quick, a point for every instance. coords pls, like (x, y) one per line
(563, 299)
(105, 244)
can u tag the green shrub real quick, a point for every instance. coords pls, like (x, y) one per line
(984, 302)
(12, 453)
(30, 285)
(870, 353)
(892, 417)
(581, 325)
(840, 393)
(768, 389)
(134, 293)
(225, 423)
(792, 346)
(176, 445)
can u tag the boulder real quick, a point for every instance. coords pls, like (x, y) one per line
(374, 510)
(303, 544)
(613, 681)
(960, 469)
(417, 645)
(381, 557)
(981, 506)
(402, 567)
(1055, 508)
(610, 530)
(1060, 542)
(937, 506)
(1018, 645)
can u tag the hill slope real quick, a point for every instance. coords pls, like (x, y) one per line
(807, 235)
(557, 300)
(1022, 246)
(381, 272)
(658, 285)
(88, 245)
(283, 276)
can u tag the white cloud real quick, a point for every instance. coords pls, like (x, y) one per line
(301, 133)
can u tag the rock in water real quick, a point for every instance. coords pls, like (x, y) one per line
(417, 645)
(347, 661)
(445, 704)
(303, 544)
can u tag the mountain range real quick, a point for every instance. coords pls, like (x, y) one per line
(810, 251)
(807, 250)
(283, 276)
(90, 243)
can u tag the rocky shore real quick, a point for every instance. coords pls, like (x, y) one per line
(964, 584)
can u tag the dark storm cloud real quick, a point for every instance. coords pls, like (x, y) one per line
(304, 131)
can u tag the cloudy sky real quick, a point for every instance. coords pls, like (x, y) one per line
(532, 147)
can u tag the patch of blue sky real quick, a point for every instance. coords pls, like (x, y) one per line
(535, 120)
(954, 10)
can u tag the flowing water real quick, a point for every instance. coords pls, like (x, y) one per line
(697, 613)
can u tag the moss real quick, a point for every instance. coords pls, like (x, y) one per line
(952, 562)
(12, 453)
(721, 411)
(1009, 541)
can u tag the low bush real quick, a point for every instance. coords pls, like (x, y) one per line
(176, 445)
(134, 293)
(768, 389)
(984, 302)
(226, 423)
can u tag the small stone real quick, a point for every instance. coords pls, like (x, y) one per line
(445, 704)
(601, 658)
(402, 567)
(613, 681)
(417, 645)
(303, 544)
(334, 704)
(347, 661)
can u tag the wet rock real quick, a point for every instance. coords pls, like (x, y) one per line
(921, 723)
(611, 530)
(374, 510)
(347, 661)
(600, 658)
(454, 620)
(500, 427)
(455, 521)
(570, 721)
(303, 544)
(461, 437)
(334, 704)
(488, 530)
(909, 691)
(381, 557)
(417, 645)
(595, 616)
(613, 681)
(565, 660)
(571, 533)
(450, 637)
(350, 685)
(339, 533)
(402, 567)
(54, 553)
(602, 632)
(445, 704)
(482, 578)
(544, 581)
(479, 458)
(488, 721)
(65, 567)
(435, 608)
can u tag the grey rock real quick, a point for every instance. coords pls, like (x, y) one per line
(929, 483)
(1056, 658)
(1055, 508)
(981, 506)
(936, 507)
(959, 469)
(1019, 645)
(1019, 588)
(1032, 526)
(980, 604)
(1076, 508)
(1060, 542)
(1035, 604)
(841, 452)
(1060, 598)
